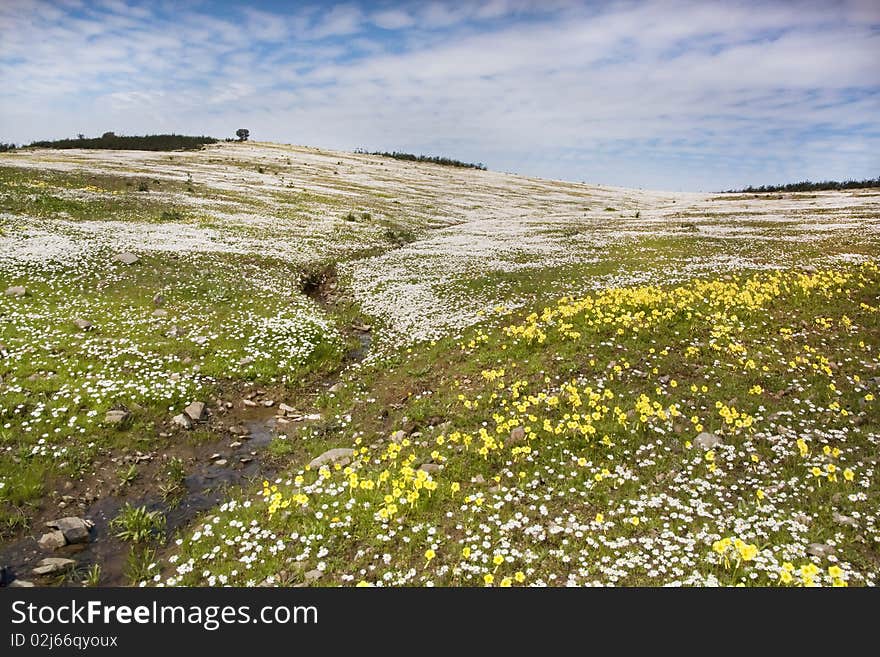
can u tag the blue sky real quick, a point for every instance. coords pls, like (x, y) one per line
(660, 94)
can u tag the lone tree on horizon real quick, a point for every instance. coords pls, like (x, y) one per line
(242, 134)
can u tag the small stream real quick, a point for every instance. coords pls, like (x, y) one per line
(204, 488)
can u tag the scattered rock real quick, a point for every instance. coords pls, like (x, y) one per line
(363, 328)
(249, 402)
(52, 540)
(809, 269)
(126, 258)
(336, 387)
(16, 291)
(708, 440)
(51, 565)
(238, 430)
(841, 519)
(83, 324)
(75, 530)
(517, 435)
(20, 584)
(234, 444)
(478, 479)
(196, 411)
(245, 460)
(313, 575)
(159, 299)
(820, 550)
(247, 360)
(183, 420)
(398, 436)
(284, 408)
(430, 468)
(221, 462)
(214, 457)
(176, 332)
(341, 455)
(160, 313)
(268, 403)
(116, 417)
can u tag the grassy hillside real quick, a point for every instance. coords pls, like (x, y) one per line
(540, 382)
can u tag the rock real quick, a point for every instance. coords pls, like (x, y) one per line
(249, 403)
(159, 299)
(313, 575)
(430, 468)
(478, 479)
(268, 403)
(336, 387)
(820, 550)
(196, 411)
(51, 565)
(809, 269)
(75, 530)
(312, 417)
(245, 460)
(116, 417)
(183, 420)
(398, 436)
(363, 328)
(83, 324)
(708, 440)
(238, 430)
(221, 462)
(517, 435)
(284, 408)
(216, 456)
(126, 258)
(341, 455)
(234, 444)
(20, 584)
(841, 519)
(52, 540)
(176, 332)
(16, 291)
(247, 360)
(160, 313)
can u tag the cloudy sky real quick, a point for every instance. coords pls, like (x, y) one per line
(656, 93)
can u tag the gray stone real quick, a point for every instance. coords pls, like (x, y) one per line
(398, 436)
(51, 565)
(341, 455)
(116, 417)
(430, 468)
(126, 258)
(221, 462)
(313, 575)
(16, 291)
(160, 313)
(83, 324)
(21, 584)
(841, 519)
(183, 420)
(247, 360)
(517, 435)
(820, 550)
(268, 403)
(284, 408)
(708, 440)
(478, 479)
(239, 430)
(196, 411)
(75, 530)
(336, 387)
(52, 540)
(176, 332)
(158, 299)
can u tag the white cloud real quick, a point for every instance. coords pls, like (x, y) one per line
(653, 93)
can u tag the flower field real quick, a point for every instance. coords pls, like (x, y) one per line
(564, 385)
